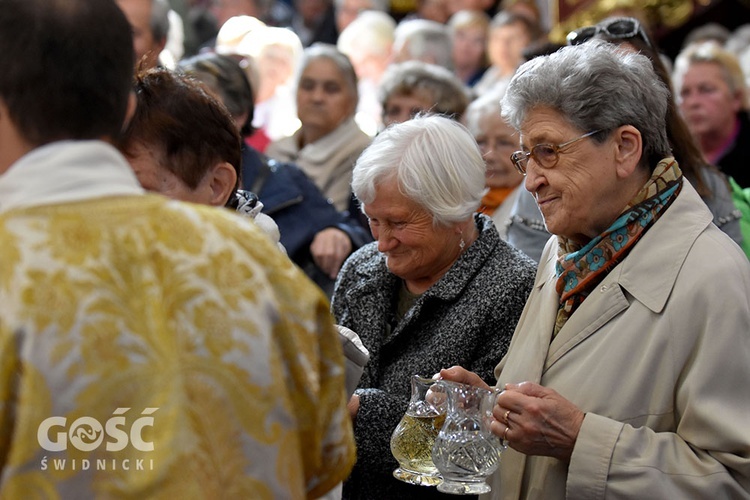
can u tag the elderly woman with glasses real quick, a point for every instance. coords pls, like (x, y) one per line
(627, 373)
(438, 287)
(710, 183)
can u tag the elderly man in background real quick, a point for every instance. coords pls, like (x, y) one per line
(627, 373)
(148, 347)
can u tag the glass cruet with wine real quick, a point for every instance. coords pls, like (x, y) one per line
(414, 436)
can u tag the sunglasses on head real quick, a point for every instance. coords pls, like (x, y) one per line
(620, 28)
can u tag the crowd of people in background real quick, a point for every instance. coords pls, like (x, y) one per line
(438, 57)
(437, 183)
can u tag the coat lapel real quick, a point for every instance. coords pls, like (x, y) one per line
(603, 304)
(451, 287)
(609, 298)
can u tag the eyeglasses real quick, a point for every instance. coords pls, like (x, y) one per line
(546, 155)
(617, 28)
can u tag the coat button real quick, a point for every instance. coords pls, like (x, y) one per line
(604, 288)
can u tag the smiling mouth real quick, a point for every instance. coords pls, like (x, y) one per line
(545, 201)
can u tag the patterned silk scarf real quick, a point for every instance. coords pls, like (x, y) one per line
(580, 269)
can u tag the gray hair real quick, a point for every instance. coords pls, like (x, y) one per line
(710, 52)
(448, 94)
(424, 40)
(320, 50)
(435, 161)
(707, 32)
(159, 19)
(595, 86)
(487, 104)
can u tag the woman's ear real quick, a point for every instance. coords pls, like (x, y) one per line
(628, 150)
(223, 182)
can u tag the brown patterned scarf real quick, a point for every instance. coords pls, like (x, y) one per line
(580, 269)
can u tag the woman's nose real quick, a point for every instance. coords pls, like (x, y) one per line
(318, 94)
(386, 241)
(688, 99)
(489, 154)
(534, 177)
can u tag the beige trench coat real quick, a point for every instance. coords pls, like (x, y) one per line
(659, 358)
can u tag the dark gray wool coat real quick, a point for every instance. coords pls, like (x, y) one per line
(467, 318)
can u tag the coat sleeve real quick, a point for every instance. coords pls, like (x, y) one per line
(707, 451)
(379, 414)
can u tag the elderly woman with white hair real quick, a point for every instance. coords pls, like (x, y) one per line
(627, 374)
(437, 288)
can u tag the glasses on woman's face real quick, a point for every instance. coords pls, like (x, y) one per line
(620, 28)
(545, 155)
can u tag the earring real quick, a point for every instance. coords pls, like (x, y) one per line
(462, 244)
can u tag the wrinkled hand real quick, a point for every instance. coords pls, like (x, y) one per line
(329, 249)
(539, 420)
(462, 376)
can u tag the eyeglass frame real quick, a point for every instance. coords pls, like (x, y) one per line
(523, 156)
(583, 35)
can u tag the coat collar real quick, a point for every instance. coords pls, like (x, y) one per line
(660, 254)
(662, 251)
(376, 280)
(321, 150)
(452, 284)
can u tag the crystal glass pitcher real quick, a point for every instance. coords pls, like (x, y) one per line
(465, 451)
(412, 441)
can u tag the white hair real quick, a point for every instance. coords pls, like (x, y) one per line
(255, 42)
(489, 103)
(372, 32)
(424, 40)
(234, 30)
(435, 161)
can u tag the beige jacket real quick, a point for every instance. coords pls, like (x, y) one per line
(659, 358)
(328, 161)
